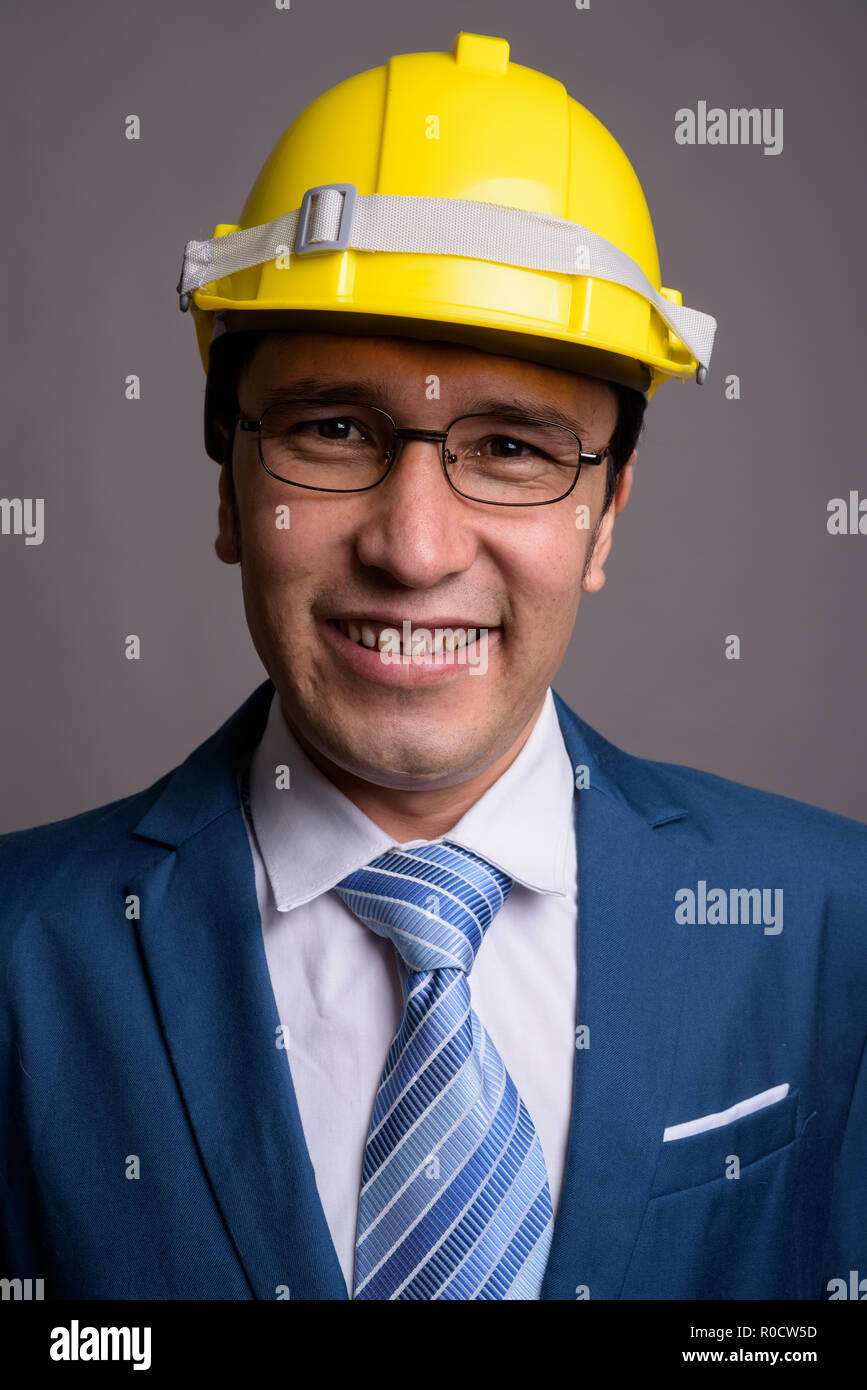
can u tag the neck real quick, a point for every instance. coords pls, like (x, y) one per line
(415, 814)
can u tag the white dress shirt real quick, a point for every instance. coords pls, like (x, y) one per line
(338, 986)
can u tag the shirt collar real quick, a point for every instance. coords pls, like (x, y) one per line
(310, 835)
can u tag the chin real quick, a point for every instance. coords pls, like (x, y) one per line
(401, 748)
(399, 765)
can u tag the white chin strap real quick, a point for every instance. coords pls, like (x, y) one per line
(335, 217)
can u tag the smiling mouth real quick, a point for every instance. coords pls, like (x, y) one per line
(407, 638)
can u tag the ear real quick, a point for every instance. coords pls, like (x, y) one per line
(594, 576)
(227, 544)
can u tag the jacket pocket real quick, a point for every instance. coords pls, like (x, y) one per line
(701, 1158)
(728, 1238)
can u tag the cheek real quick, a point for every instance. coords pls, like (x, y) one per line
(545, 570)
(286, 541)
(281, 569)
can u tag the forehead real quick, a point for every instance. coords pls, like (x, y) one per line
(403, 369)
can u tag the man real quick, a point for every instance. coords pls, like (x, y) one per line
(407, 984)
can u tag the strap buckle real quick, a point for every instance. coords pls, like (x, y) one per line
(303, 246)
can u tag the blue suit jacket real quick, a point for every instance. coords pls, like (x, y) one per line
(154, 1039)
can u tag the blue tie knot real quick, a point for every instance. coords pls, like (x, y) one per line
(435, 902)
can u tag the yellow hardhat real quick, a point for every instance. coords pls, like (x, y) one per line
(457, 196)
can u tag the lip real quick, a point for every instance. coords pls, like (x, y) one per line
(367, 661)
(387, 621)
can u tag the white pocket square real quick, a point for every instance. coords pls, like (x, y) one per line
(725, 1117)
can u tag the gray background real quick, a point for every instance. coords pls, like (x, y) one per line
(726, 530)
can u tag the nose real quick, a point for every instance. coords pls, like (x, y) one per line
(413, 525)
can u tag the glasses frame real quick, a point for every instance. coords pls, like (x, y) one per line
(400, 433)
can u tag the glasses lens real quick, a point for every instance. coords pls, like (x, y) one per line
(339, 447)
(494, 458)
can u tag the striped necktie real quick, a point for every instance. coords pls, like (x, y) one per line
(454, 1197)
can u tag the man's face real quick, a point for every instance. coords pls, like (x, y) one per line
(412, 550)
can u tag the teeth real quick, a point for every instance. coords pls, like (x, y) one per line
(421, 644)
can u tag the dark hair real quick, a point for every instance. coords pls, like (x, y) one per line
(232, 353)
(631, 408)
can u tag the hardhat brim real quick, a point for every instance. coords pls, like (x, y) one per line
(580, 358)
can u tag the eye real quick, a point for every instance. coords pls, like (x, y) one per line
(497, 440)
(506, 447)
(338, 428)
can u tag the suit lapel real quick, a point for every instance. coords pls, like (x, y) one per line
(202, 943)
(631, 975)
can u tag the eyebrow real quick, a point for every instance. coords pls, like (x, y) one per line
(320, 389)
(516, 408)
(374, 390)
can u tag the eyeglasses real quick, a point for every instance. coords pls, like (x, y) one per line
(502, 460)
